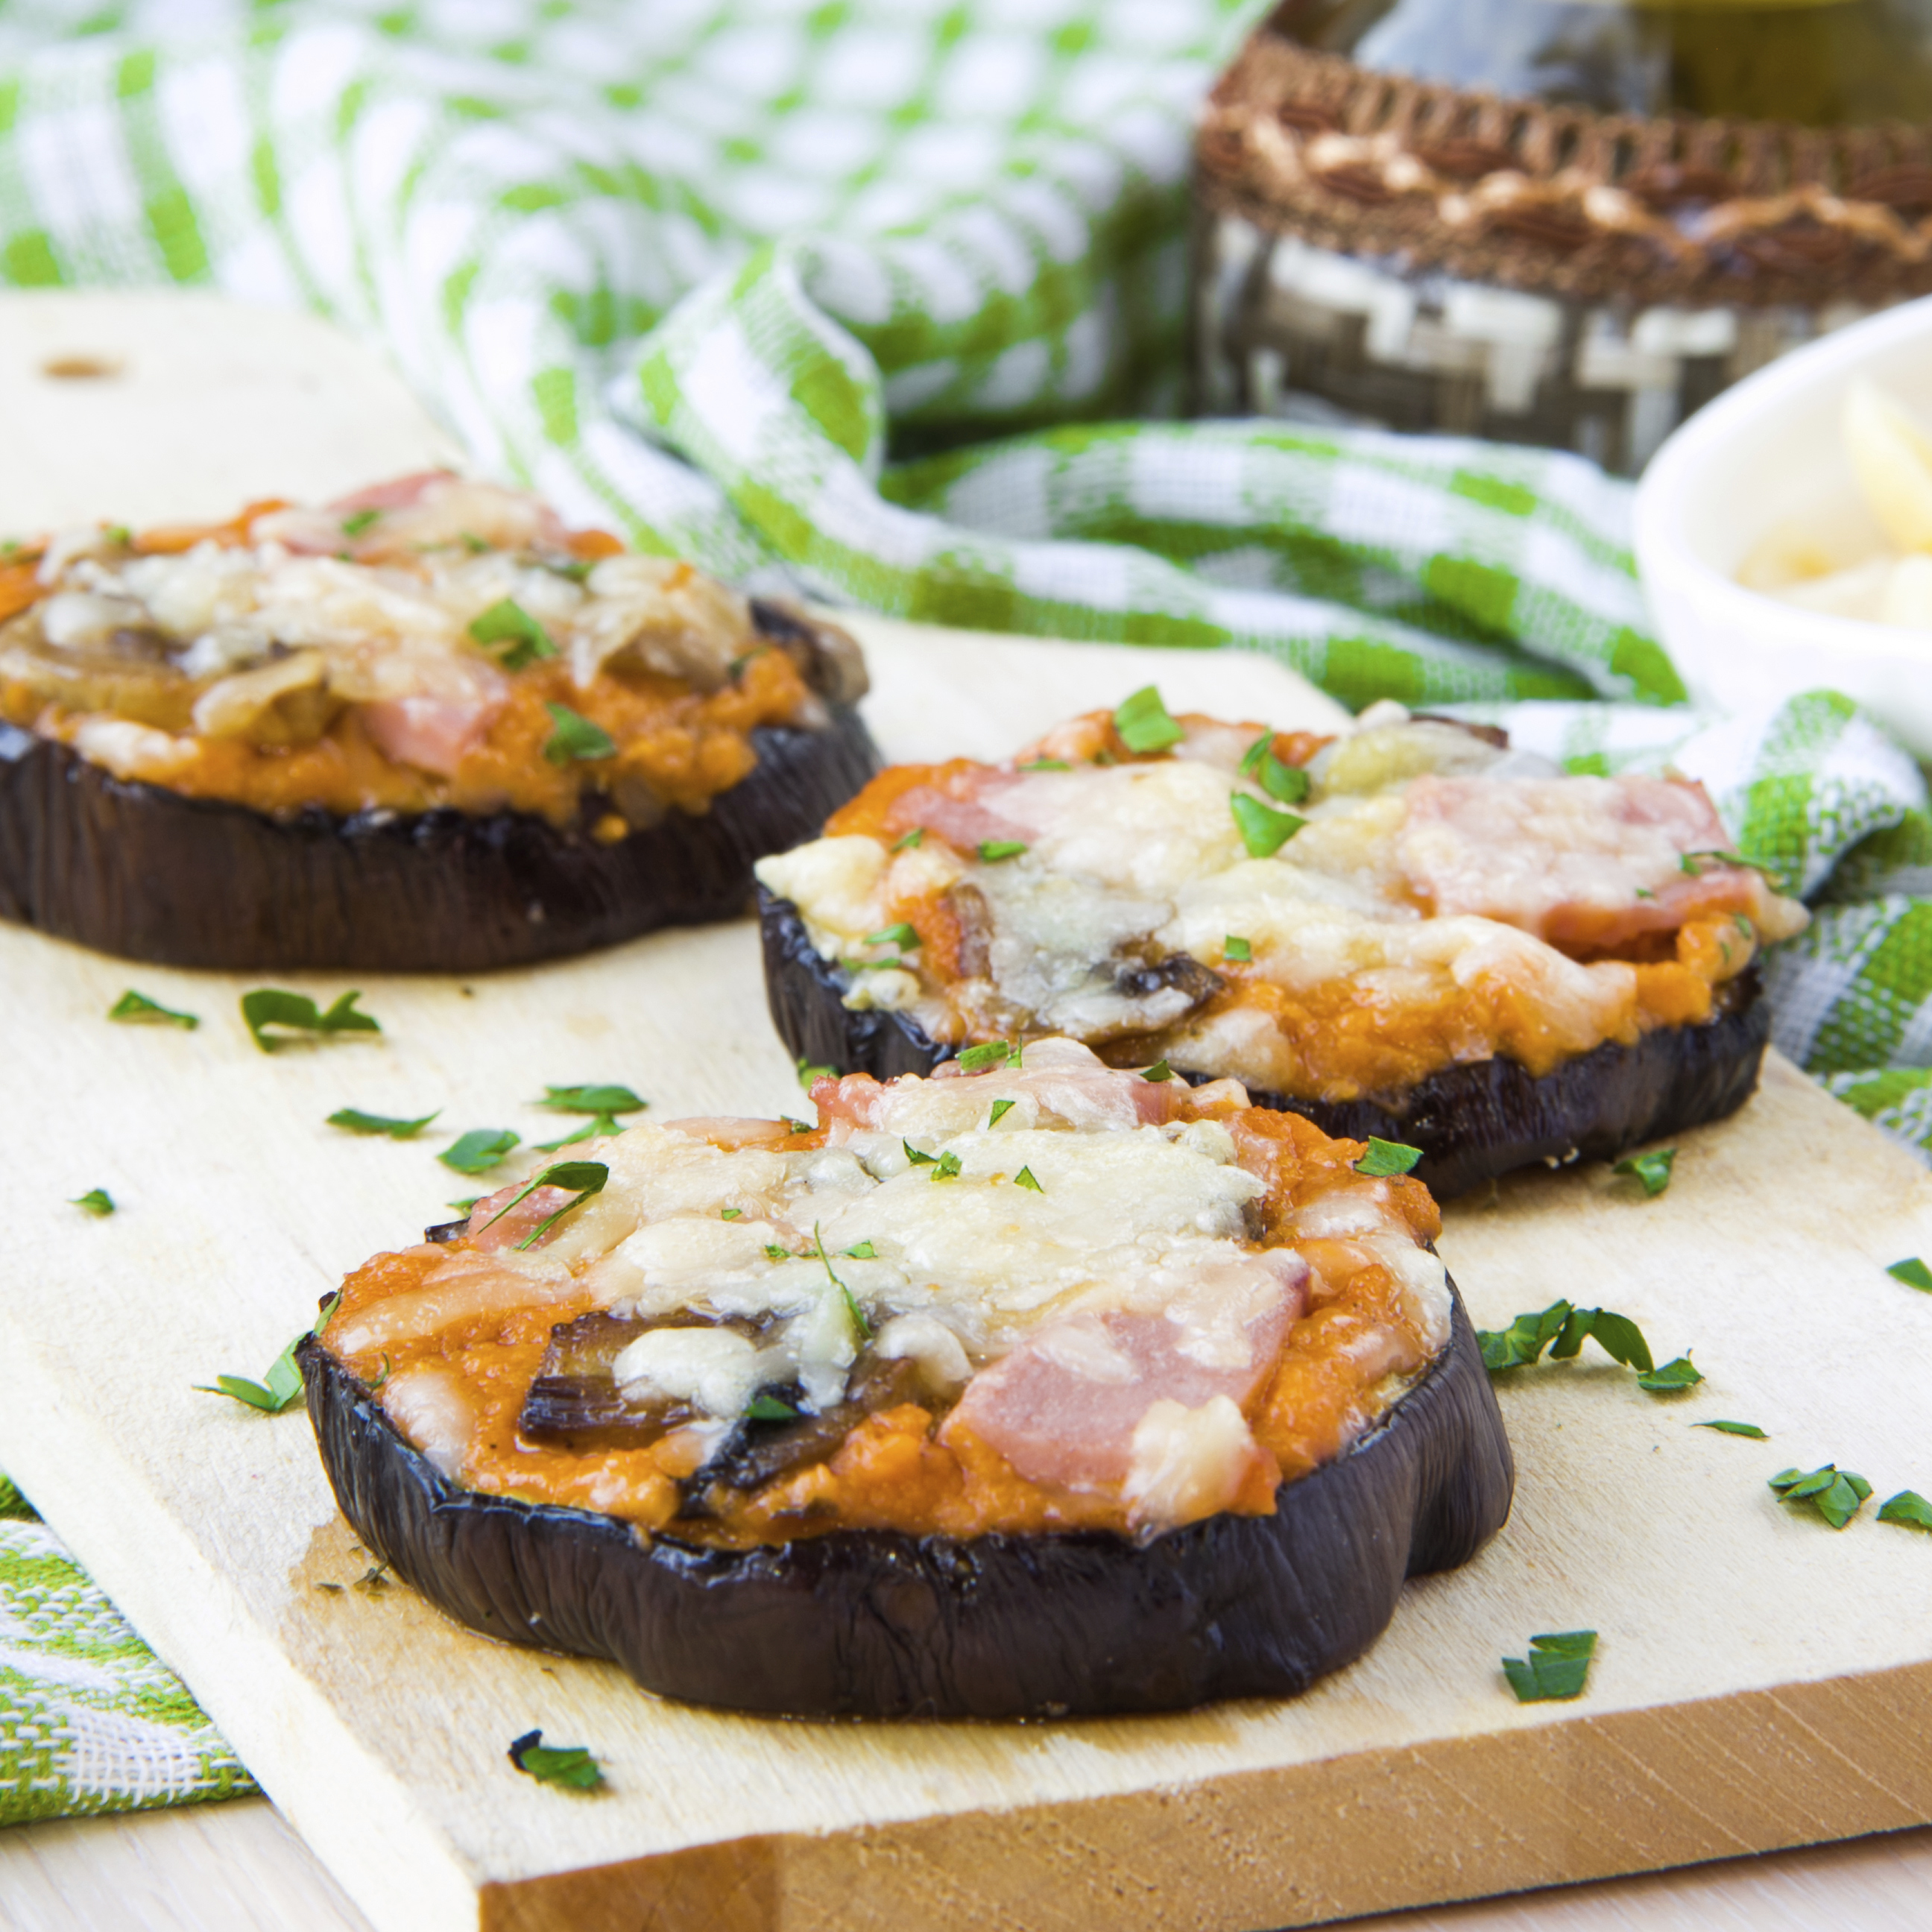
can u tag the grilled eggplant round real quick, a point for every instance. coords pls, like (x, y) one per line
(880, 1624)
(1472, 1122)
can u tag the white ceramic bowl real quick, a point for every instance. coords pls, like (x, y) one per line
(1768, 454)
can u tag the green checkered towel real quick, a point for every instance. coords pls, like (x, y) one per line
(880, 301)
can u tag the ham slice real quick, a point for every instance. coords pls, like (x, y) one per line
(1063, 1405)
(962, 811)
(434, 734)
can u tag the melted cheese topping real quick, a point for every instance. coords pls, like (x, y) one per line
(399, 650)
(1101, 1291)
(1436, 905)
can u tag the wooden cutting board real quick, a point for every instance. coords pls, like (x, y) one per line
(1761, 1681)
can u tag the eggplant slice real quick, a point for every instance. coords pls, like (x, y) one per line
(1472, 1122)
(878, 1624)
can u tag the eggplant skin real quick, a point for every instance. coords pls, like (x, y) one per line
(876, 1623)
(1472, 1123)
(135, 869)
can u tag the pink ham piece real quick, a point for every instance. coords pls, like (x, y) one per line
(433, 734)
(1063, 1405)
(963, 813)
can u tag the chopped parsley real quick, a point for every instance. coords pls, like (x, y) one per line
(97, 1201)
(1837, 1495)
(860, 1325)
(992, 851)
(1555, 1668)
(862, 1251)
(357, 1122)
(575, 738)
(1158, 1074)
(1913, 1273)
(583, 1177)
(281, 1387)
(903, 936)
(918, 1159)
(946, 1167)
(773, 1252)
(569, 1765)
(507, 622)
(271, 1007)
(1288, 783)
(1387, 1157)
(604, 1103)
(1046, 765)
(1749, 1429)
(479, 1150)
(1909, 1508)
(1025, 1179)
(1264, 830)
(138, 1008)
(1563, 1329)
(1001, 1109)
(912, 839)
(1652, 1170)
(769, 1408)
(1671, 1379)
(1143, 722)
(977, 1059)
(809, 1076)
(354, 526)
(1236, 948)
(730, 1213)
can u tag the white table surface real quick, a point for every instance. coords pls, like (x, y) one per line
(237, 1868)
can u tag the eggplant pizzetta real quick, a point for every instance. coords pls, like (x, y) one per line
(424, 726)
(1045, 1386)
(1408, 930)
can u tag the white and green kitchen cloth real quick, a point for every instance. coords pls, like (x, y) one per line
(880, 300)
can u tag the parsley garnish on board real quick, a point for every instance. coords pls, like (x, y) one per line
(1288, 783)
(575, 739)
(1555, 1668)
(1837, 1495)
(1264, 830)
(1387, 1157)
(1563, 1329)
(507, 622)
(977, 1059)
(604, 1103)
(1143, 722)
(584, 1177)
(1748, 1429)
(1652, 1170)
(479, 1150)
(993, 850)
(281, 1387)
(570, 1765)
(357, 1122)
(97, 1201)
(271, 1007)
(1913, 1273)
(1909, 1509)
(139, 1009)
(1673, 1379)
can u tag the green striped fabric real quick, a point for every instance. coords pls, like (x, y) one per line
(880, 301)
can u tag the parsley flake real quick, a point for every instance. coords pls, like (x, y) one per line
(507, 622)
(1673, 1379)
(1143, 722)
(1288, 783)
(946, 1167)
(773, 1252)
(1264, 830)
(479, 1150)
(583, 1177)
(1045, 765)
(1001, 1109)
(1749, 1429)
(862, 1251)
(591, 1099)
(730, 1213)
(1555, 1668)
(809, 1076)
(570, 1765)
(281, 1387)
(918, 1158)
(991, 1053)
(1913, 1273)
(1837, 1495)
(903, 936)
(1563, 1329)
(1908, 1508)
(357, 1122)
(769, 1408)
(97, 1201)
(575, 739)
(992, 851)
(271, 1007)
(138, 1008)
(1236, 948)
(1387, 1157)
(912, 841)
(860, 1325)
(1652, 1170)
(1025, 1179)
(354, 526)
(1158, 1074)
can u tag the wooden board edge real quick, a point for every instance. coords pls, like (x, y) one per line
(1513, 1811)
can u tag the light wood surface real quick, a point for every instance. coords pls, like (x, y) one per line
(1762, 1682)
